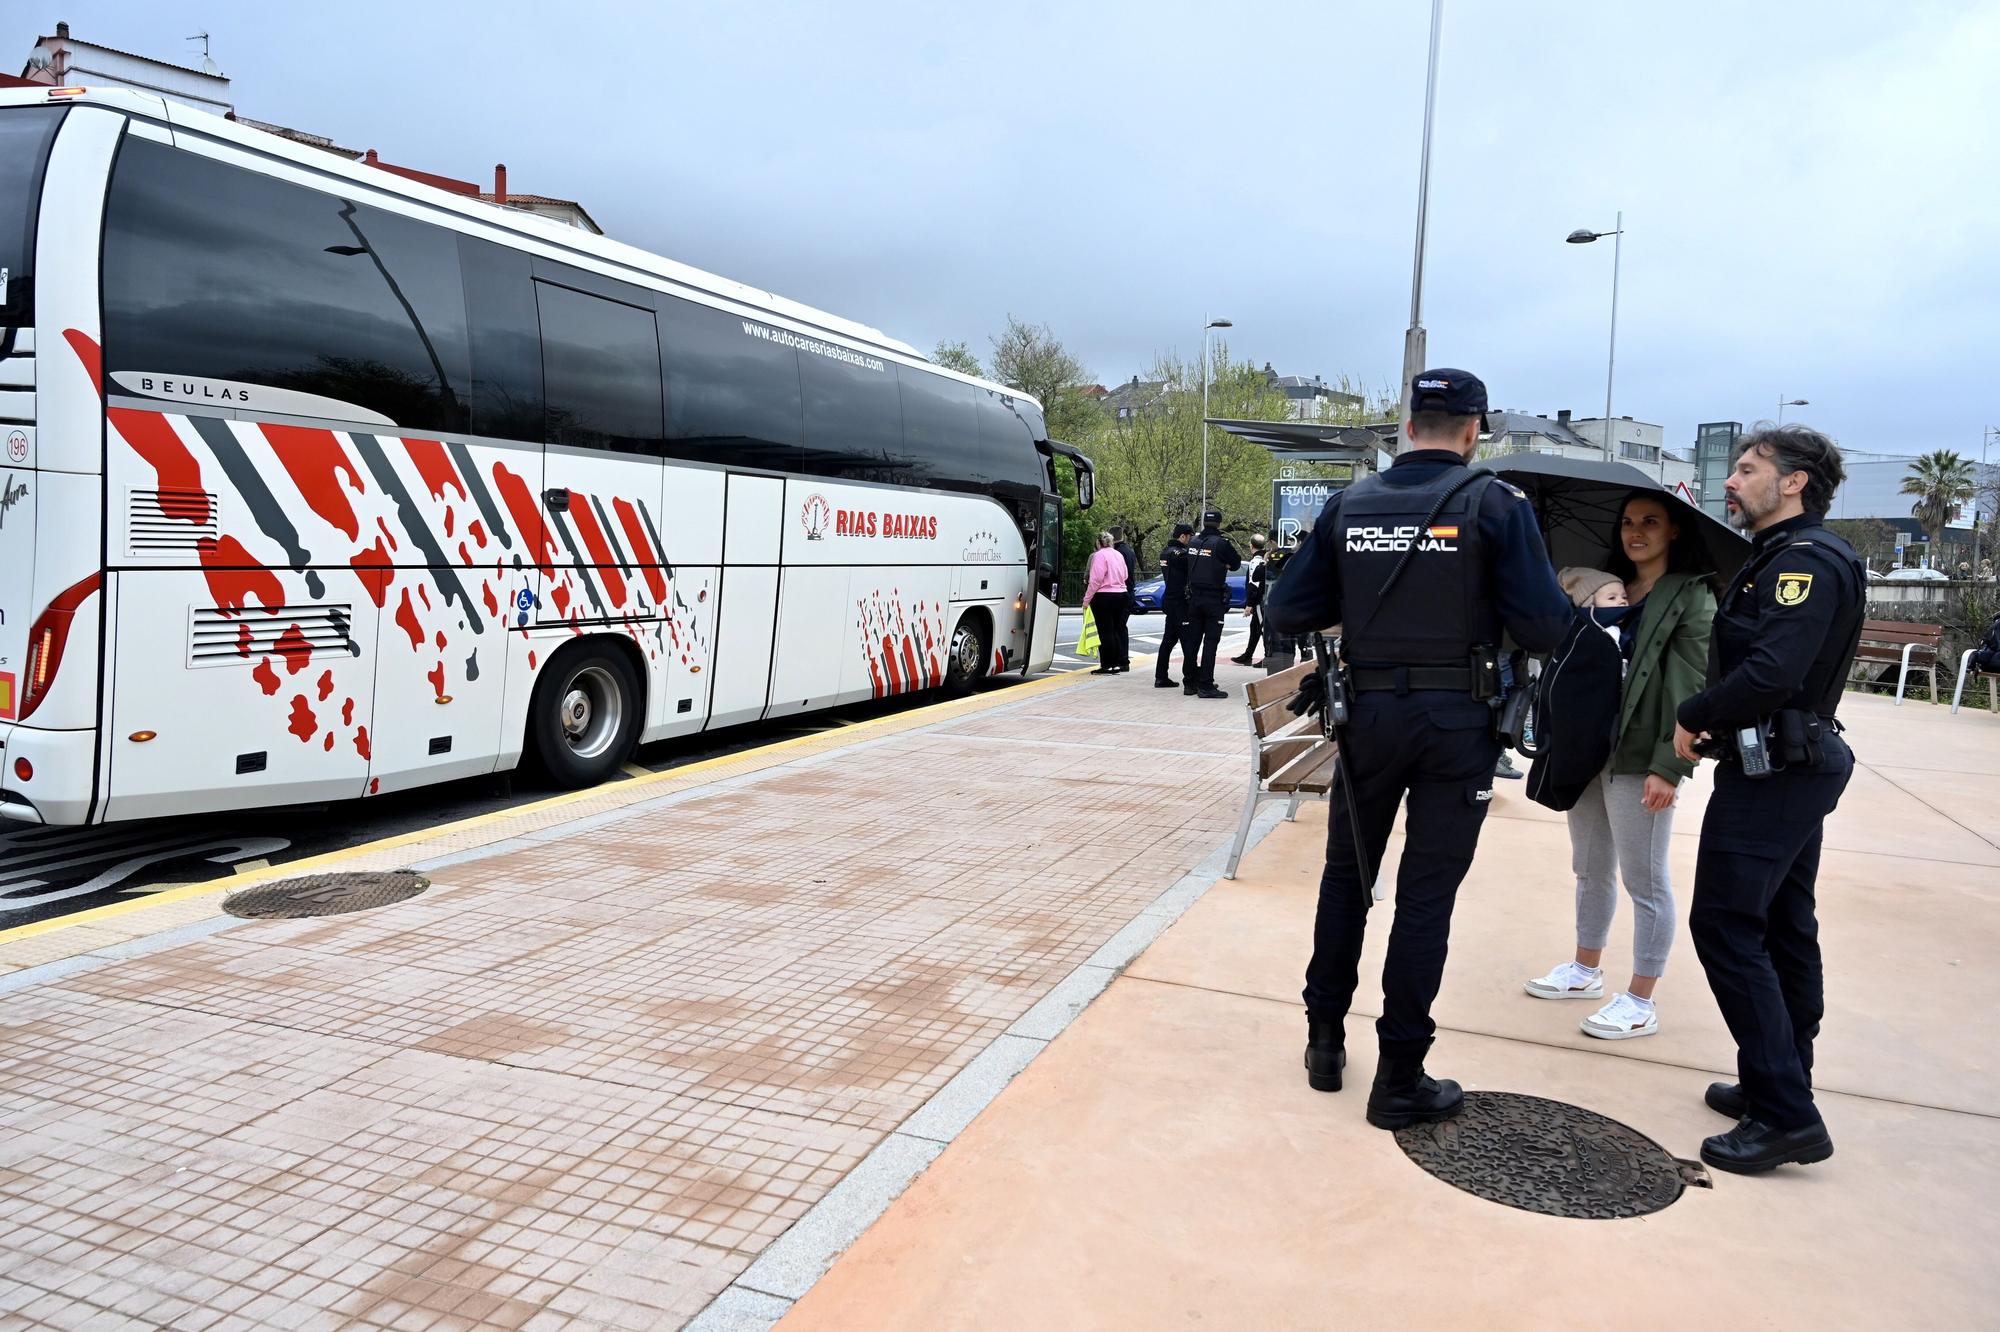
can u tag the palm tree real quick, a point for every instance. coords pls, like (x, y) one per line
(1941, 481)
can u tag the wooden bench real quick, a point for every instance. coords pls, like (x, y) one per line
(1992, 689)
(1911, 648)
(1291, 759)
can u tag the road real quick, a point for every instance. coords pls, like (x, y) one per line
(46, 872)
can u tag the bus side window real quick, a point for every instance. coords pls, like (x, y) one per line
(221, 273)
(506, 389)
(732, 389)
(941, 427)
(601, 367)
(854, 420)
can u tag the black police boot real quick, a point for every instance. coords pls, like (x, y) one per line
(1404, 1094)
(1165, 683)
(1727, 1098)
(1191, 688)
(1751, 1147)
(1243, 660)
(1326, 1053)
(1211, 691)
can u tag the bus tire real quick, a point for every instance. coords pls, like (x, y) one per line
(966, 659)
(584, 715)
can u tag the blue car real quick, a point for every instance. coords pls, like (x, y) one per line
(1147, 595)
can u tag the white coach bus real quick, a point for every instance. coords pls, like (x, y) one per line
(319, 483)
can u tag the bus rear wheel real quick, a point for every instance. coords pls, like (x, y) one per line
(966, 661)
(585, 716)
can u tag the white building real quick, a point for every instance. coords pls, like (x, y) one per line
(1639, 444)
(61, 60)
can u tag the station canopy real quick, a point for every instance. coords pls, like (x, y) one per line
(1313, 441)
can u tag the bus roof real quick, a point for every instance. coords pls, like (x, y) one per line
(492, 215)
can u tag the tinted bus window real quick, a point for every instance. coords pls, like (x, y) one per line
(506, 385)
(854, 420)
(25, 136)
(1008, 428)
(600, 371)
(941, 427)
(217, 272)
(732, 397)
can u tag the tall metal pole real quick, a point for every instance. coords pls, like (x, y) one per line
(1979, 493)
(1414, 340)
(1206, 324)
(1611, 362)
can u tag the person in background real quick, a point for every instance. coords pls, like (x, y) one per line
(1107, 594)
(1253, 599)
(1623, 823)
(1211, 559)
(1173, 604)
(1124, 548)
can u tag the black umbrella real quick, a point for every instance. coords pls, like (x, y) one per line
(1578, 502)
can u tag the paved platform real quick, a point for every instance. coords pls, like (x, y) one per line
(1164, 1164)
(626, 1040)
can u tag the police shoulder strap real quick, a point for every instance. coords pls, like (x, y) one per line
(1382, 596)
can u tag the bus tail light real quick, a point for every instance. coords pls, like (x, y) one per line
(47, 638)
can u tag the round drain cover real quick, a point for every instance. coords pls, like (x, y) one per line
(1546, 1156)
(324, 895)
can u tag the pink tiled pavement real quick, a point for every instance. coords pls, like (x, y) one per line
(587, 1082)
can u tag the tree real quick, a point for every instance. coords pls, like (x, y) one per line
(1941, 482)
(1031, 358)
(957, 356)
(1149, 467)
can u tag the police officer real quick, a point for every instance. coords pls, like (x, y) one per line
(1422, 566)
(1210, 560)
(1173, 601)
(1784, 639)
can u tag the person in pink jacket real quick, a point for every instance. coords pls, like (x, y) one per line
(1108, 595)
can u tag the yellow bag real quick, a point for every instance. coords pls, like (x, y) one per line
(1086, 642)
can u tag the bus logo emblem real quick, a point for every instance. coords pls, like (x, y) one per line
(815, 516)
(17, 446)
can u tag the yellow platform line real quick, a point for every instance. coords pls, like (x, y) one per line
(310, 864)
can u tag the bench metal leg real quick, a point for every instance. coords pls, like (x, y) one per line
(1243, 825)
(1958, 693)
(1903, 676)
(1292, 809)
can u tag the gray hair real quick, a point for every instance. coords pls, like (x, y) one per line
(1798, 448)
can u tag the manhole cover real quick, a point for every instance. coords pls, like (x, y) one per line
(324, 895)
(1548, 1157)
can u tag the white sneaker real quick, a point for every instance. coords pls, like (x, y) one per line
(1569, 981)
(1621, 1019)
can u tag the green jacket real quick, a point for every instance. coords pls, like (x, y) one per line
(1669, 664)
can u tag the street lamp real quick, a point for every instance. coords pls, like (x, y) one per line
(1207, 326)
(1414, 339)
(1581, 236)
(1979, 515)
(1789, 402)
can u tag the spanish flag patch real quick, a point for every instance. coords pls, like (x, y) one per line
(1444, 533)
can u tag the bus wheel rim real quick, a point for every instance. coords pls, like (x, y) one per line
(965, 650)
(592, 712)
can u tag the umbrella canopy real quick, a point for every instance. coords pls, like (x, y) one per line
(1578, 502)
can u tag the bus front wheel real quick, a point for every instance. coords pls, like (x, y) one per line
(967, 660)
(585, 715)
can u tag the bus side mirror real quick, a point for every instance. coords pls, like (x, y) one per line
(1086, 488)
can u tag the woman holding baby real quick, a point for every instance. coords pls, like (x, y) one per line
(1660, 613)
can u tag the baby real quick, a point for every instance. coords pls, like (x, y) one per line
(1601, 594)
(1593, 588)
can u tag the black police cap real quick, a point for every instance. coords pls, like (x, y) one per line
(1183, 529)
(1452, 392)
(1212, 518)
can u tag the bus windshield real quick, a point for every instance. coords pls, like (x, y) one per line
(25, 136)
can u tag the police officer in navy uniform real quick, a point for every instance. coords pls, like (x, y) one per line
(1784, 639)
(1174, 602)
(1211, 559)
(1474, 563)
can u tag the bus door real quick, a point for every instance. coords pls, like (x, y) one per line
(601, 468)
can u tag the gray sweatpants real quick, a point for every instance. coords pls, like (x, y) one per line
(1611, 831)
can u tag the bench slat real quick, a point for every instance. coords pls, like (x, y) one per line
(1276, 688)
(1311, 772)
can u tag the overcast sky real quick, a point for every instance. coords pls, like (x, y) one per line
(1811, 189)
